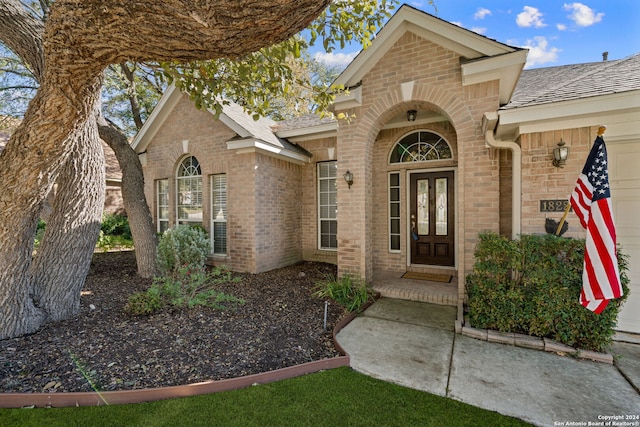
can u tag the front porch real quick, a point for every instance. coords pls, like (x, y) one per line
(391, 284)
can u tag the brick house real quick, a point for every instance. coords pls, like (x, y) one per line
(449, 138)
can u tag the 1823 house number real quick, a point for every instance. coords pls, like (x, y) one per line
(553, 205)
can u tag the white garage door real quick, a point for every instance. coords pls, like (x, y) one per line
(624, 177)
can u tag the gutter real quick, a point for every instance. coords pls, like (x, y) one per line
(489, 124)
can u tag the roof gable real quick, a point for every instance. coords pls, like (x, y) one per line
(466, 43)
(253, 135)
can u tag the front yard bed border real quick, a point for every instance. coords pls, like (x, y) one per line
(536, 343)
(119, 397)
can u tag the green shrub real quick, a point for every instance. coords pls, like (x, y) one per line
(182, 246)
(116, 225)
(144, 303)
(531, 286)
(190, 287)
(351, 293)
(39, 234)
(187, 287)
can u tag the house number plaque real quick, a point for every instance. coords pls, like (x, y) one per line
(553, 205)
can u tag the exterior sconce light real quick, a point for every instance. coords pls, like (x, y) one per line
(411, 115)
(560, 154)
(348, 177)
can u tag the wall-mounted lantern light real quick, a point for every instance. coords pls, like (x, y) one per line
(560, 154)
(348, 177)
(411, 115)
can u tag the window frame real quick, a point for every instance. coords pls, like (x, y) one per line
(398, 219)
(216, 219)
(196, 194)
(159, 218)
(332, 188)
(419, 158)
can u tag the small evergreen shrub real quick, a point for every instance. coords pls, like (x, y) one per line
(182, 246)
(185, 281)
(349, 292)
(144, 303)
(116, 225)
(531, 286)
(186, 288)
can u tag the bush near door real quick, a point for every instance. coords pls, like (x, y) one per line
(532, 285)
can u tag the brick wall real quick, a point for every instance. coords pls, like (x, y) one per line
(263, 219)
(278, 213)
(541, 180)
(436, 76)
(322, 150)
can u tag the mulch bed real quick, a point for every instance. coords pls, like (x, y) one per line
(103, 348)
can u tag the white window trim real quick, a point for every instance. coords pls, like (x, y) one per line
(390, 218)
(215, 219)
(177, 192)
(320, 219)
(159, 218)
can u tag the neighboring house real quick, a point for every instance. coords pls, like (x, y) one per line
(449, 138)
(113, 194)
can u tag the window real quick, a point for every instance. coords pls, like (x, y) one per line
(420, 147)
(189, 192)
(327, 205)
(219, 214)
(162, 190)
(394, 212)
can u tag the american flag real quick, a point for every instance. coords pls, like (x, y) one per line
(591, 201)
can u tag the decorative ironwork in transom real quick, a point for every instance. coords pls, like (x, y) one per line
(420, 147)
(189, 167)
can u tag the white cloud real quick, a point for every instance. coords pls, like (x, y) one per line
(481, 13)
(332, 59)
(583, 15)
(561, 27)
(530, 17)
(479, 30)
(540, 52)
(458, 23)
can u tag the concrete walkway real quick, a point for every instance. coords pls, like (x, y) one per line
(413, 344)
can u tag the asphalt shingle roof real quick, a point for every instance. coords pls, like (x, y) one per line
(261, 129)
(577, 81)
(302, 122)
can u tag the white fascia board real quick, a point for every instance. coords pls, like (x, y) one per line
(233, 125)
(593, 111)
(156, 119)
(313, 132)
(251, 145)
(348, 100)
(450, 36)
(506, 68)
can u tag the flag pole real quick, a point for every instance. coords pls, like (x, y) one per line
(564, 217)
(601, 131)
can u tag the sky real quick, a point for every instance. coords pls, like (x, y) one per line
(556, 32)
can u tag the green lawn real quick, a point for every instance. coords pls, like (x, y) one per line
(338, 397)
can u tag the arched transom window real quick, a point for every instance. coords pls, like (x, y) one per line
(189, 189)
(420, 147)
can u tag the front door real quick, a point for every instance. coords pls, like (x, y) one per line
(432, 218)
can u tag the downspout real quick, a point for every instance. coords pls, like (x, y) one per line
(489, 124)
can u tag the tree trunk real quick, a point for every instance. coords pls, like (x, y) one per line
(81, 38)
(30, 163)
(62, 262)
(135, 201)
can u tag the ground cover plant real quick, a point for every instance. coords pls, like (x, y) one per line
(352, 293)
(280, 324)
(531, 286)
(337, 397)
